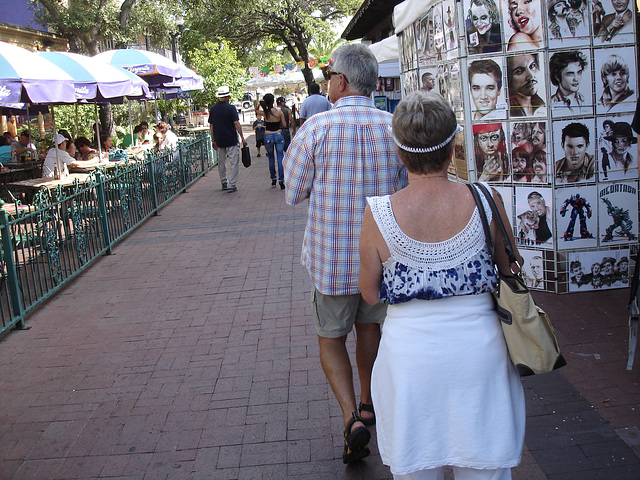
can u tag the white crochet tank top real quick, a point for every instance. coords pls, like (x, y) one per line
(460, 265)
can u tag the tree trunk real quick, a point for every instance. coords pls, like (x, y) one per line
(106, 119)
(308, 75)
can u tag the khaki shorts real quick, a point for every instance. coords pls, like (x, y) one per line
(334, 315)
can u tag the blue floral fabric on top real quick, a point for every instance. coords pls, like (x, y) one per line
(460, 265)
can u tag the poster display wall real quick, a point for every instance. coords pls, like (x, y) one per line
(546, 91)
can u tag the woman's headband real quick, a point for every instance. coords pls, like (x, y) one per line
(426, 149)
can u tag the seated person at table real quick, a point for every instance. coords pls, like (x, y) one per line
(23, 144)
(84, 150)
(71, 147)
(157, 141)
(147, 136)
(170, 139)
(137, 137)
(106, 143)
(48, 168)
(5, 150)
(9, 139)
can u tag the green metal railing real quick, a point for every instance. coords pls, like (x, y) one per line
(63, 231)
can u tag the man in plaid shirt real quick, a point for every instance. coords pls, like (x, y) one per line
(336, 160)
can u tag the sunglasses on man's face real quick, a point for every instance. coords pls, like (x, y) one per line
(328, 72)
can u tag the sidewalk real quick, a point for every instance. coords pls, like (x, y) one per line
(190, 353)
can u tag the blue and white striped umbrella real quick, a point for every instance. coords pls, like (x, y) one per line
(95, 80)
(155, 69)
(27, 77)
(188, 82)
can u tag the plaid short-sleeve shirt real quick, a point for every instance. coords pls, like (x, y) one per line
(337, 159)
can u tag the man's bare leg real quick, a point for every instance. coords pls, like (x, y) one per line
(367, 341)
(337, 368)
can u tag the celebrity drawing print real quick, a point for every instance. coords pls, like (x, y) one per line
(573, 95)
(618, 213)
(523, 16)
(490, 150)
(568, 23)
(485, 87)
(528, 152)
(534, 217)
(617, 76)
(526, 85)
(576, 217)
(605, 269)
(532, 268)
(482, 25)
(573, 141)
(612, 21)
(618, 157)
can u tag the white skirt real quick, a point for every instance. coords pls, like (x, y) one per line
(444, 389)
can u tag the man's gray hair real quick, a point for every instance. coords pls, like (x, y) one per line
(358, 64)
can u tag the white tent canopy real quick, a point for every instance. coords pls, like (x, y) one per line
(405, 13)
(386, 52)
(288, 78)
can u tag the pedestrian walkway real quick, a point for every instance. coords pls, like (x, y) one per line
(190, 353)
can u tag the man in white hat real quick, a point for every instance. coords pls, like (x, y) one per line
(225, 127)
(48, 167)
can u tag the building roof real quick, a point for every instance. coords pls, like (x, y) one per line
(370, 13)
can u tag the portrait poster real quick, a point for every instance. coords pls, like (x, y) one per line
(429, 79)
(613, 22)
(604, 269)
(576, 217)
(425, 35)
(409, 82)
(483, 26)
(571, 84)
(616, 149)
(408, 49)
(533, 271)
(616, 79)
(443, 80)
(404, 53)
(617, 213)
(450, 29)
(486, 89)
(523, 25)
(455, 89)
(534, 217)
(575, 157)
(526, 85)
(528, 147)
(438, 31)
(490, 152)
(568, 23)
(459, 157)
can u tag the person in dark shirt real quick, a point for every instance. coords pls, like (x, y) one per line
(225, 128)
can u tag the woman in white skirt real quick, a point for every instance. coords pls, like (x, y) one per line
(444, 389)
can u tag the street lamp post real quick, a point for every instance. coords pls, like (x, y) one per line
(174, 39)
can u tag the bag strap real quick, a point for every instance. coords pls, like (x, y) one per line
(501, 228)
(483, 217)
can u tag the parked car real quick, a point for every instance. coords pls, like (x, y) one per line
(246, 102)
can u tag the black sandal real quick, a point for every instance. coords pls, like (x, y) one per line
(356, 443)
(367, 407)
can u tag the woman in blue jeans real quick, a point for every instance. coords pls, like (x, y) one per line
(274, 121)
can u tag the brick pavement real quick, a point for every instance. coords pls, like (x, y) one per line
(189, 353)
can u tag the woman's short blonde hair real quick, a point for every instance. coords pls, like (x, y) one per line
(423, 120)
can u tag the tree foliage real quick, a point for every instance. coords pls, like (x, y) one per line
(249, 24)
(218, 64)
(84, 22)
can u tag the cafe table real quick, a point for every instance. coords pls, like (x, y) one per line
(31, 186)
